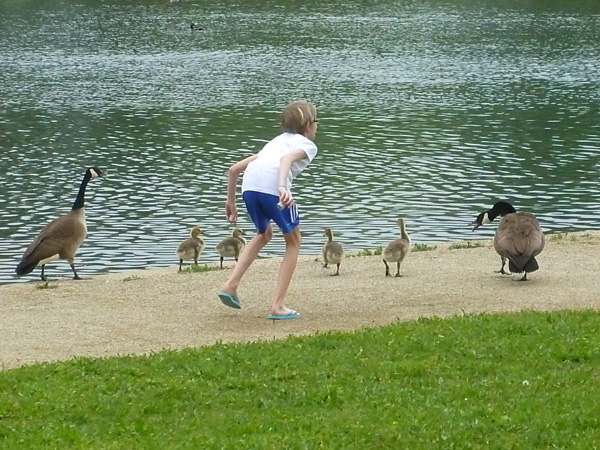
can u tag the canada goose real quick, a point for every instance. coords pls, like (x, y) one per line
(397, 250)
(333, 252)
(195, 27)
(191, 248)
(518, 238)
(231, 246)
(62, 237)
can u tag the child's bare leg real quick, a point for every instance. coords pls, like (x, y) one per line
(288, 265)
(246, 258)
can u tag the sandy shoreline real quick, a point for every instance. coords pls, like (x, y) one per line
(148, 310)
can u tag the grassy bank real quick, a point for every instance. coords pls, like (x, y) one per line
(519, 381)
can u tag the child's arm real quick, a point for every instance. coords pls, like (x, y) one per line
(232, 178)
(285, 196)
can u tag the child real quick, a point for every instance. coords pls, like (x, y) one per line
(267, 181)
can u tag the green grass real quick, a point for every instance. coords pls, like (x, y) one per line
(366, 252)
(466, 244)
(199, 268)
(557, 236)
(423, 247)
(511, 381)
(568, 236)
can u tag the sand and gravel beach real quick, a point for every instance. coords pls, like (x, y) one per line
(139, 312)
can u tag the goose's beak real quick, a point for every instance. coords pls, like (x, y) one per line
(475, 225)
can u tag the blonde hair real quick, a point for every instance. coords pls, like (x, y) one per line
(297, 116)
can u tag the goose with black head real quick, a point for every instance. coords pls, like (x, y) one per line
(518, 239)
(62, 237)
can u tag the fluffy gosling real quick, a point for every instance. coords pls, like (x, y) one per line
(191, 248)
(232, 246)
(397, 250)
(333, 252)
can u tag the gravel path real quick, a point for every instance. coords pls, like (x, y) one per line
(145, 311)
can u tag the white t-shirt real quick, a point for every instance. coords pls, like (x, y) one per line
(262, 174)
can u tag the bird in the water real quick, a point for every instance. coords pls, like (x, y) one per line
(194, 27)
(62, 237)
(231, 246)
(333, 251)
(518, 239)
(191, 248)
(397, 250)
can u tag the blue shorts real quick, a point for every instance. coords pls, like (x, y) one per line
(262, 208)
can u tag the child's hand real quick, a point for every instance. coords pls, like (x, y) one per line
(285, 196)
(231, 212)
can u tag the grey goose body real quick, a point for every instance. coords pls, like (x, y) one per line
(518, 238)
(62, 237)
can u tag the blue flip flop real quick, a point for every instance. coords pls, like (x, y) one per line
(233, 301)
(291, 315)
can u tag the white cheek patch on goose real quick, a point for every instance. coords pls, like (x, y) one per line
(94, 173)
(486, 219)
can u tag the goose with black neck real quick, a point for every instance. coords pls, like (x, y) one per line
(62, 237)
(518, 239)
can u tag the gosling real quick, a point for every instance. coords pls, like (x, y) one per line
(191, 248)
(397, 250)
(232, 246)
(333, 252)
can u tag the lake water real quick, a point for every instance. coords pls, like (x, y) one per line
(429, 111)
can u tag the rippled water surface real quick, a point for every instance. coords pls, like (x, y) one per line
(429, 111)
